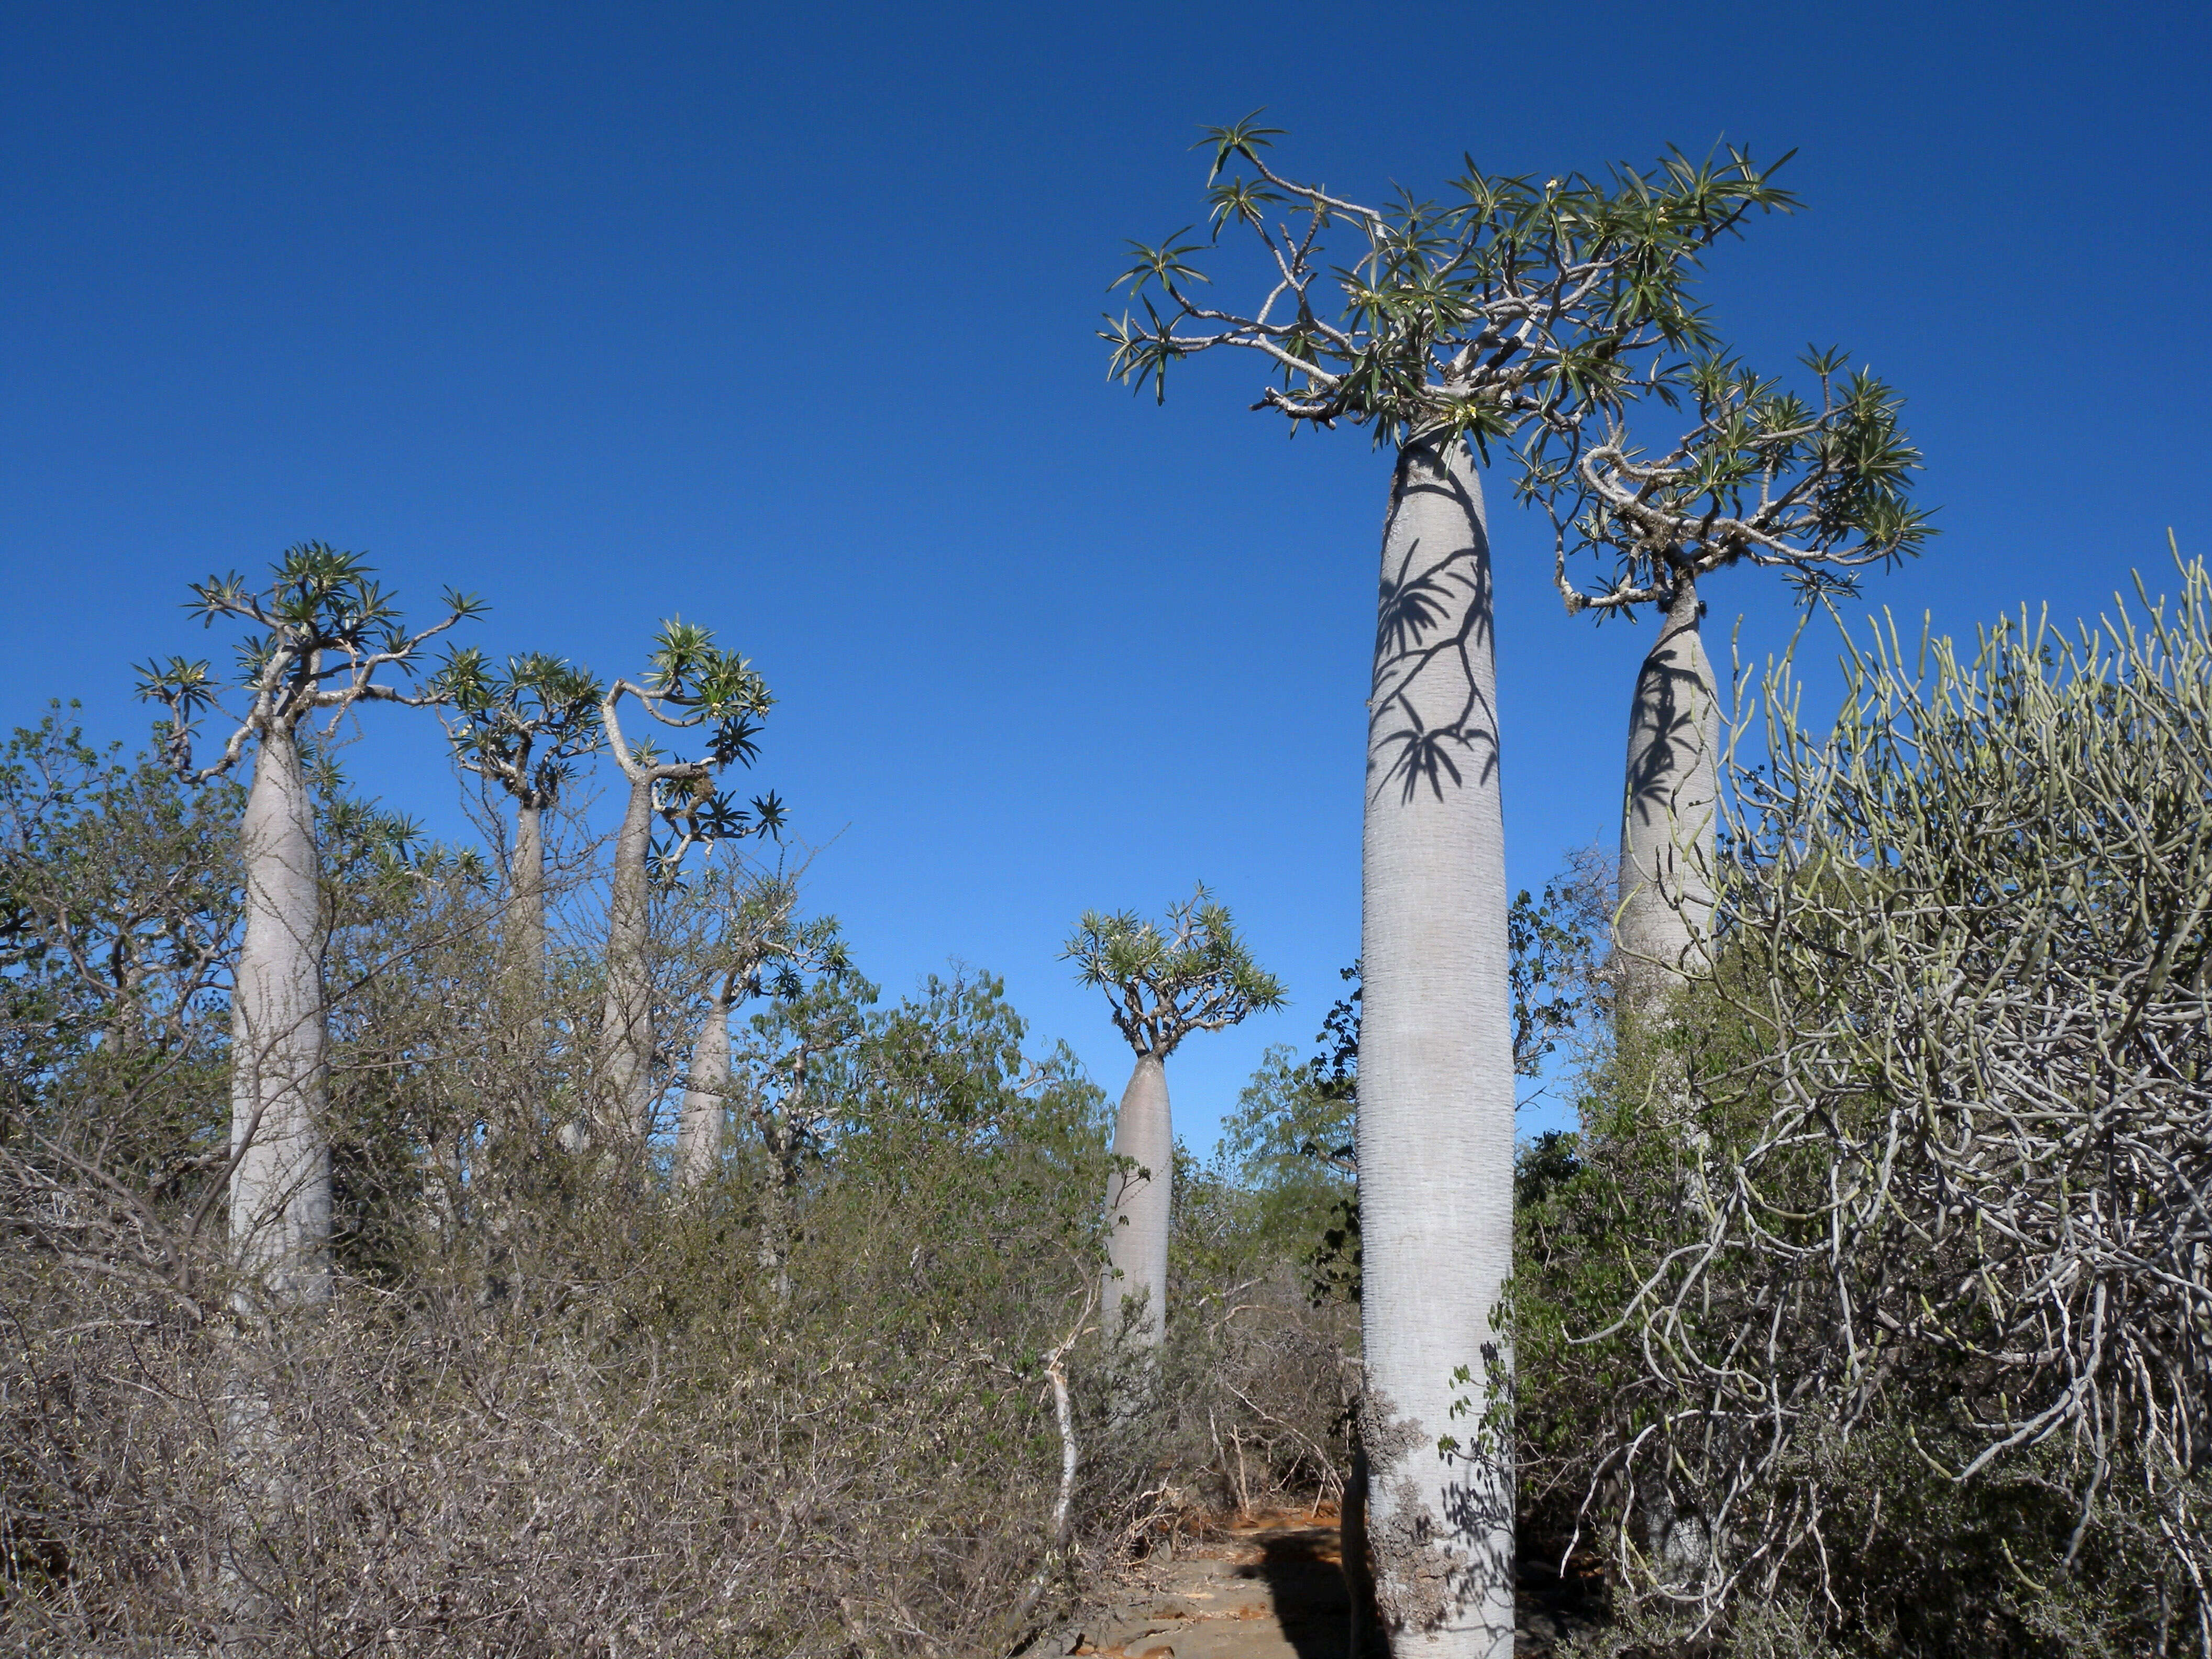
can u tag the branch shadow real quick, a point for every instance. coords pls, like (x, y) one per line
(1434, 619)
(1672, 708)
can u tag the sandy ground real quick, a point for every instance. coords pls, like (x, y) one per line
(1267, 1586)
(1262, 1587)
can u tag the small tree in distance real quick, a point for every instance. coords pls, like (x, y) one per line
(1761, 478)
(690, 684)
(522, 730)
(1161, 984)
(760, 946)
(791, 1094)
(329, 632)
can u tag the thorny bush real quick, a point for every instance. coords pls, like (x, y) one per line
(1905, 1345)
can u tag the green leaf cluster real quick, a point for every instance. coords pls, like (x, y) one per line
(1164, 982)
(1510, 302)
(524, 725)
(1818, 488)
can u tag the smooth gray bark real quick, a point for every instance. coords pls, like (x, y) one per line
(706, 1098)
(626, 1023)
(1436, 1077)
(774, 1255)
(1140, 1204)
(526, 907)
(1668, 803)
(280, 1183)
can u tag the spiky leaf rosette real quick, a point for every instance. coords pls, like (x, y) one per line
(523, 726)
(1164, 982)
(1817, 487)
(1511, 302)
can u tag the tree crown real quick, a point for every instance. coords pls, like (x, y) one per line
(1511, 302)
(1164, 983)
(1816, 488)
(522, 727)
(690, 683)
(329, 628)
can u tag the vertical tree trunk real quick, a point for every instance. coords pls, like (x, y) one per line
(706, 1098)
(1359, 1634)
(1668, 812)
(774, 1255)
(280, 1184)
(522, 988)
(783, 1133)
(1138, 1206)
(1436, 1077)
(525, 914)
(626, 1025)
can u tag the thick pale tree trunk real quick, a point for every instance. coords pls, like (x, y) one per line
(706, 1098)
(526, 907)
(626, 1024)
(1668, 812)
(280, 1184)
(474, 1168)
(1436, 1077)
(1139, 1203)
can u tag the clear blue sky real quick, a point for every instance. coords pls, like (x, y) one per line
(781, 317)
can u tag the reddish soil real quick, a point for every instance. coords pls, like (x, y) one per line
(1262, 1586)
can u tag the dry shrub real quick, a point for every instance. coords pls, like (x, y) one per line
(656, 1464)
(1876, 1316)
(559, 1403)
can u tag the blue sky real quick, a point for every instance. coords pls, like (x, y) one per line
(781, 318)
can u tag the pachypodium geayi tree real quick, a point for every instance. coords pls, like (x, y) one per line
(791, 1092)
(1762, 476)
(1161, 984)
(759, 943)
(690, 684)
(1516, 309)
(522, 730)
(330, 641)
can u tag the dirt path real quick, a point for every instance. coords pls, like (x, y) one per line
(1266, 1587)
